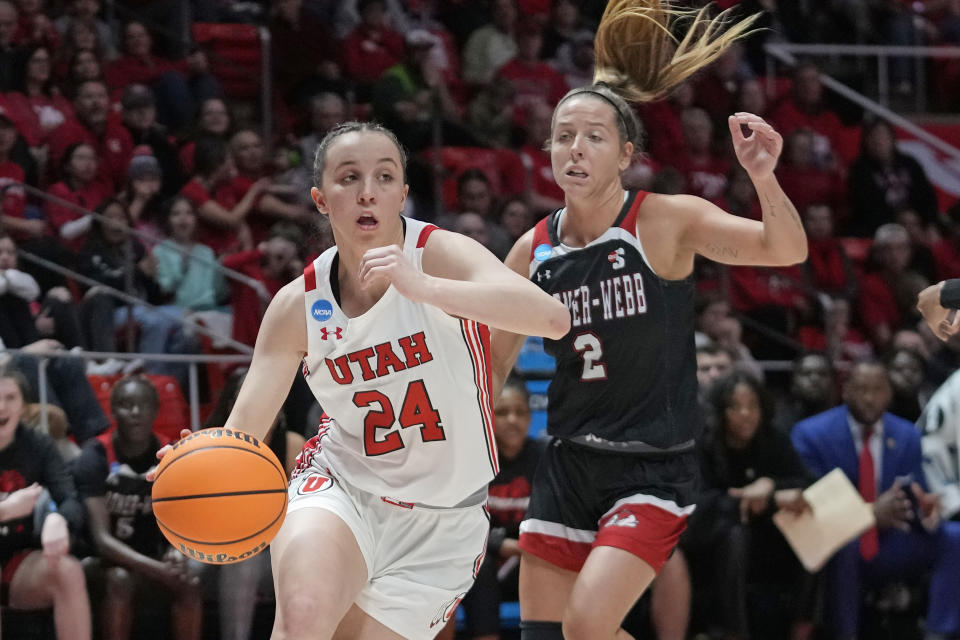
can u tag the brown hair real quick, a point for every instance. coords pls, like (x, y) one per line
(320, 157)
(639, 59)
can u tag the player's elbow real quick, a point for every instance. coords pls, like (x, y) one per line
(558, 321)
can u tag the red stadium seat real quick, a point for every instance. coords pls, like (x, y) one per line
(235, 56)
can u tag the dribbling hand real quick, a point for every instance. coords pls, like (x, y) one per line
(390, 265)
(757, 154)
(152, 474)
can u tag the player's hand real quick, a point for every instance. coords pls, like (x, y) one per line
(757, 154)
(21, 502)
(509, 547)
(177, 569)
(943, 322)
(55, 537)
(389, 264)
(929, 506)
(754, 498)
(151, 475)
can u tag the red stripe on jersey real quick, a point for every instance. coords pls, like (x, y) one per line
(630, 220)
(424, 234)
(540, 235)
(481, 372)
(560, 552)
(310, 278)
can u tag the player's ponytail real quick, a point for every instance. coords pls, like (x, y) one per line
(640, 55)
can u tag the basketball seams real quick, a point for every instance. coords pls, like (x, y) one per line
(222, 494)
(184, 454)
(283, 512)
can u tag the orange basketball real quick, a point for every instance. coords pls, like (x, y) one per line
(220, 496)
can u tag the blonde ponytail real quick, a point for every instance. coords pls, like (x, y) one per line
(638, 55)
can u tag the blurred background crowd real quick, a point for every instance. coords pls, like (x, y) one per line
(156, 158)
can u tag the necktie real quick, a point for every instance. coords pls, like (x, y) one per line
(869, 543)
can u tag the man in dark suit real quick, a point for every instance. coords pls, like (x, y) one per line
(877, 451)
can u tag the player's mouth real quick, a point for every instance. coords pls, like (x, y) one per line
(368, 222)
(575, 172)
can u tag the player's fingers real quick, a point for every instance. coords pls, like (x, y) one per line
(735, 131)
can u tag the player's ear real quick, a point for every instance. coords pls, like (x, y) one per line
(321, 203)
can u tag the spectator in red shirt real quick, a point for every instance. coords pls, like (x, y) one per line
(662, 122)
(246, 148)
(718, 89)
(805, 182)
(804, 107)
(274, 263)
(828, 268)
(705, 172)
(882, 181)
(541, 189)
(222, 213)
(533, 79)
(80, 186)
(100, 128)
(177, 85)
(12, 213)
(37, 104)
(885, 290)
(372, 48)
(34, 28)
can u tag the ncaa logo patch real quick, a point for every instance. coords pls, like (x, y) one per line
(313, 483)
(542, 252)
(321, 311)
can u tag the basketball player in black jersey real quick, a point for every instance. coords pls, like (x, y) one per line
(612, 493)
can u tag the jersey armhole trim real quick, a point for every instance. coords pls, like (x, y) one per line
(310, 277)
(424, 234)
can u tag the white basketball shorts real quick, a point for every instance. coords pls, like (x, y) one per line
(421, 561)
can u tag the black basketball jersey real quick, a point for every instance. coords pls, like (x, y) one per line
(626, 372)
(102, 472)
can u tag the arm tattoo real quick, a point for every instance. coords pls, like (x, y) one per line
(720, 252)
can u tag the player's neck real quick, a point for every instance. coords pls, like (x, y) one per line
(586, 219)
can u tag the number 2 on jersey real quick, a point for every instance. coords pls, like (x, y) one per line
(590, 348)
(416, 410)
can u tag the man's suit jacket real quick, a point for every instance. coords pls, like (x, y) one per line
(824, 443)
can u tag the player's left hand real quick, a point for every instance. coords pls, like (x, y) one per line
(943, 322)
(55, 537)
(757, 154)
(390, 265)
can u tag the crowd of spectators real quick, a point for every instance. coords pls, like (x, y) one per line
(112, 121)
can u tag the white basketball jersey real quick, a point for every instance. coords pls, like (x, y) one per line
(405, 389)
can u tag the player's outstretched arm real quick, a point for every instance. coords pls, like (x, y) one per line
(706, 229)
(464, 279)
(281, 345)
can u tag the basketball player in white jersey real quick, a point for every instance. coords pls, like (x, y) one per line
(387, 523)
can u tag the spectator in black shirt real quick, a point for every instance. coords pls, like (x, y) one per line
(749, 470)
(134, 559)
(812, 391)
(499, 575)
(36, 525)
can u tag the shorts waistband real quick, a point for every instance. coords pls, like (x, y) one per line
(472, 501)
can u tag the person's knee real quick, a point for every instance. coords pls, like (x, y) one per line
(67, 576)
(298, 614)
(118, 584)
(584, 625)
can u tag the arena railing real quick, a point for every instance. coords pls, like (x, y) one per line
(786, 53)
(193, 386)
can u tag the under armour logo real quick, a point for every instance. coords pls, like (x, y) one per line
(616, 258)
(543, 275)
(326, 333)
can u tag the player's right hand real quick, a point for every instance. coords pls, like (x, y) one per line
(21, 502)
(151, 475)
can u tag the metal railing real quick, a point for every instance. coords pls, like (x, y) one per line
(193, 386)
(883, 54)
(785, 53)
